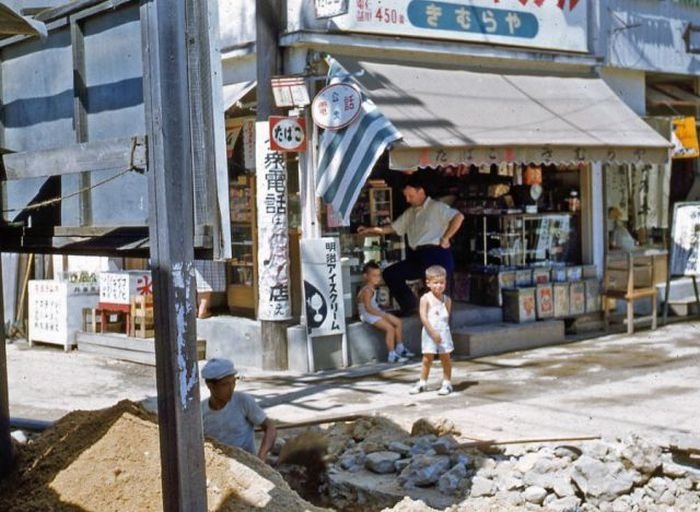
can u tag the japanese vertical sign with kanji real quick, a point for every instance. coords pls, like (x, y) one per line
(273, 240)
(323, 287)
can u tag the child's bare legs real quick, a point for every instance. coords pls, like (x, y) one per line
(446, 387)
(446, 367)
(389, 333)
(424, 372)
(425, 367)
(398, 327)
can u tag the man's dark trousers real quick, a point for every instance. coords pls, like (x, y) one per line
(413, 267)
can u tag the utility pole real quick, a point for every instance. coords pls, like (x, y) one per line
(267, 25)
(6, 454)
(165, 37)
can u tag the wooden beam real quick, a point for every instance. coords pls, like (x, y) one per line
(6, 455)
(117, 154)
(80, 122)
(165, 30)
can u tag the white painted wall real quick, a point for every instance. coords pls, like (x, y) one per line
(629, 85)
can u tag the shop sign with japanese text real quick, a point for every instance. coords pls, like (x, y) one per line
(685, 138)
(547, 24)
(329, 8)
(323, 287)
(273, 239)
(336, 106)
(287, 133)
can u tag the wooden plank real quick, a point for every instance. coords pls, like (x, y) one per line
(121, 341)
(117, 353)
(118, 154)
(165, 30)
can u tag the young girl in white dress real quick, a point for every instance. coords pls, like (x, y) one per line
(434, 309)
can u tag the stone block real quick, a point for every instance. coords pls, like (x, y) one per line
(479, 341)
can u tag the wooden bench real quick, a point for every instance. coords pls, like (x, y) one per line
(631, 276)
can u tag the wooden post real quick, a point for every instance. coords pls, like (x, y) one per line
(6, 455)
(267, 22)
(171, 228)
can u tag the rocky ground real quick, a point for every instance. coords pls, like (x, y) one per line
(373, 465)
(108, 460)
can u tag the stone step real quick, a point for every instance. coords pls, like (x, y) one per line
(485, 340)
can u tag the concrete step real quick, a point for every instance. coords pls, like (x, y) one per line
(485, 340)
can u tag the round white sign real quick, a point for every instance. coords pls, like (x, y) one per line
(287, 134)
(336, 106)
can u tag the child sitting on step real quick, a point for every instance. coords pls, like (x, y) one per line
(372, 314)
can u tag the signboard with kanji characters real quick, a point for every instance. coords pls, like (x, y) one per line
(118, 287)
(55, 310)
(273, 241)
(323, 287)
(329, 8)
(287, 134)
(336, 106)
(547, 24)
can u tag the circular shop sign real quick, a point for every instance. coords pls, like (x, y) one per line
(287, 134)
(336, 106)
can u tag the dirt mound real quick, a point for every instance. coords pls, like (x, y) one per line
(109, 460)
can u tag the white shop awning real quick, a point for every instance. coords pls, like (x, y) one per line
(233, 93)
(452, 116)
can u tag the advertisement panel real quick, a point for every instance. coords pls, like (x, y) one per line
(323, 287)
(545, 24)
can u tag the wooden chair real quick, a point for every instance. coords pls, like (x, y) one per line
(631, 276)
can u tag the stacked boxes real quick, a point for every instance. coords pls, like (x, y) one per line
(556, 292)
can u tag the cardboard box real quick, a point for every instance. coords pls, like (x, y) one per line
(561, 299)
(577, 298)
(590, 271)
(558, 274)
(523, 277)
(540, 275)
(593, 299)
(574, 273)
(545, 300)
(519, 305)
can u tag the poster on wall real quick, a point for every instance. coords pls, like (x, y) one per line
(273, 240)
(547, 24)
(323, 288)
(685, 240)
(684, 138)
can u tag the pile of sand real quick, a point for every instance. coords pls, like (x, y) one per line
(109, 460)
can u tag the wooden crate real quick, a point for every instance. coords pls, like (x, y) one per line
(141, 316)
(92, 322)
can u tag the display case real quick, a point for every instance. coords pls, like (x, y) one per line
(518, 239)
(242, 270)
